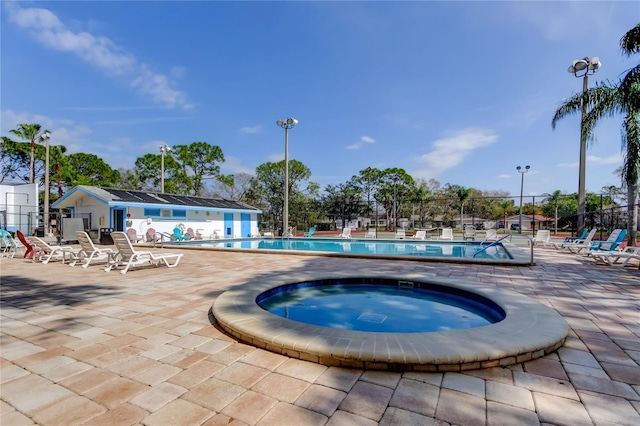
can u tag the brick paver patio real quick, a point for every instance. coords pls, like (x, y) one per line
(82, 346)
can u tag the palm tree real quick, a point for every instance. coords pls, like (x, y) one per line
(607, 99)
(554, 198)
(30, 132)
(462, 193)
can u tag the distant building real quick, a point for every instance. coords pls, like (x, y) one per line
(19, 208)
(108, 209)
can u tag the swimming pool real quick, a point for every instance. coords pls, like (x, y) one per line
(379, 305)
(448, 251)
(529, 329)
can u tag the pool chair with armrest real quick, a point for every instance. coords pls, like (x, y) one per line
(469, 233)
(447, 234)
(30, 249)
(612, 257)
(578, 245)
(616, 238)
(178, 235)
(543, 236)
(151, 236)
(491, 235)
(128, 256)
(309, 234)
(346, 233)
(371, 233)
(582, 236)
(89, 252)
(133, 236)
(420, 235)
(400, 234)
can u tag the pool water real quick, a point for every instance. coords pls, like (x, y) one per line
(388, 306)
(467, 250)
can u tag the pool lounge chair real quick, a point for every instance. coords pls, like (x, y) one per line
(420, 235)
(46, 252)
(129, 257)
(612, 257)
(447, 234)
(371, 233)
(346, 233)
(89, 252)
(585, 231)
(400, 234)
(616, 238)
(178, 235)
(578, 245)
(310, 233)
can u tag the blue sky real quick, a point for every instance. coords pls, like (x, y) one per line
(462, 92)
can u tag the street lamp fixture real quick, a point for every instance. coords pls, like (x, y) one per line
(286, 125)
(522, 172)
(45, 217)
(163, 149)
(583, 68)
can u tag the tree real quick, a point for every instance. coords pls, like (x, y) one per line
(236, 188)
(462, 193)
(367, 181)
(554, 198)
(14, 159)
(199, 161)
(607, 99)
(394, 187)
(343, 201)
(32, 133)
(267, 188)
(88, 169)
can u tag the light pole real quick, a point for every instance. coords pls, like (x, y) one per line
(163, 150)
(46, 136)
(522, 172)
(582, 68)
(286, 125)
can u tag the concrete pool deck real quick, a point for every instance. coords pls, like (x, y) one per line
(81, 346)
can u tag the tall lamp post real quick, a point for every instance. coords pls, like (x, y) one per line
(46, 136)
(163, 150)
(286, 125)
(522, 172)
(583, 68)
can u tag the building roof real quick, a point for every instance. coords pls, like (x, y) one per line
(122, 197)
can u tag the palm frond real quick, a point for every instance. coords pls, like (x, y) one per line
(630, 42)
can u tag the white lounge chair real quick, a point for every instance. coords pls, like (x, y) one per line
(543, 236)
(129, 257)
(46, 252)
(89, 252)
(400, 234)
(371, 233)
(420, 235)
(469, 233)
(447, 234)
(612, 257)
(346, 233)
(578, 245)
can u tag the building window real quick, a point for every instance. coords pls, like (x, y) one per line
(180, 213)
(152, 212)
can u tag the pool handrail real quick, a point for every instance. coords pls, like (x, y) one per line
(504, 238)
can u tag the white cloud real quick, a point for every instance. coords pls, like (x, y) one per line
(100, 52)
(367, 139)
(232, 165)
(593, 159)
(63, 132)
(358, 145)
(248, 130)
(452, 150)
(504, 176)
(274, 158)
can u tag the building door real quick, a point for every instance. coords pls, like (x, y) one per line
(228, 225)
(118, 220)
(245, 224)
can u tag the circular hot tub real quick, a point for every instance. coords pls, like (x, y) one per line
(511, 328)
